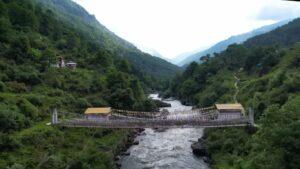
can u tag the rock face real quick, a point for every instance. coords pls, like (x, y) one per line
(199, 149)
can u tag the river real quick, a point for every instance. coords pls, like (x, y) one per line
(170, 149)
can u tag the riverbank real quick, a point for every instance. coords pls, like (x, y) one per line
(130, 141)
(200, 149)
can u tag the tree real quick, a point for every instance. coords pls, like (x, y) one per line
(10, 120)
(122, 99)
(21, 16)
(125, 66)
(5, 27)
(19, 50)
(137, 89)
(48, 57)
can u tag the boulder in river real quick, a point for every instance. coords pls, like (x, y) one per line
(207, 160)
(119, 165)
(199, 149)
(127, 153)
(157, 129)
(117, 158)
(136, 142)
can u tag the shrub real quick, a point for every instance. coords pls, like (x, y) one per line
(10, 120)
(35, 99)
(28, 109)
(2, 86)
(16, 87)
(16, 166)
(7, 143)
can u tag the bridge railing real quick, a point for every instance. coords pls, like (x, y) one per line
(138, 123)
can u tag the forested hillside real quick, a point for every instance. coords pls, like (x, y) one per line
(78, 18)
(110, 72)
(268, 67)
(284, 36)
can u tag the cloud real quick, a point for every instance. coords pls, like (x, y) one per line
(280, 11)
(172, 27)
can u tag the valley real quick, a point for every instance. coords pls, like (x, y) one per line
(55, 55)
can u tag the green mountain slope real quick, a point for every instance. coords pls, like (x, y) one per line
(110, 72)
(81, 19)
(284, 36)
(269, 83)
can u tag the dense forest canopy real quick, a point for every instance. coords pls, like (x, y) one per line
(267, 67)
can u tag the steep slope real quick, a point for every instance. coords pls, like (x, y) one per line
(269, 83)
(77, 16)
(234, 39)
(32, 40)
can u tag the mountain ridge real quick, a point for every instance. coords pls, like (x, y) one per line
(222, 45)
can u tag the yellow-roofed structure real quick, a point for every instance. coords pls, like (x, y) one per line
(230, 108)
(104, 111)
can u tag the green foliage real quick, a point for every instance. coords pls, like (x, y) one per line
(21, 16)
(28, 109)
(11, 120)
(269, 83)
(7, 143)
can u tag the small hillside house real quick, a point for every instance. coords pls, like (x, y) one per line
(71, 65)
(98, 113)
(235, 110)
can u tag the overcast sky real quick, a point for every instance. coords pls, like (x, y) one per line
(173, 27)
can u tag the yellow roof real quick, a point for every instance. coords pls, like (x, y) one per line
(98, 110)
(235, 106)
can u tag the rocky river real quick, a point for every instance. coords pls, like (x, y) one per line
(169, 149)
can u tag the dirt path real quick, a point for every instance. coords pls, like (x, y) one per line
(237, 80)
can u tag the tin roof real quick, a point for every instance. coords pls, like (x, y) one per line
(235, 106)
(98, 110)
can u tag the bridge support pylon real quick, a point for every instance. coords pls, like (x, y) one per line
(251, 116)
(54, 116)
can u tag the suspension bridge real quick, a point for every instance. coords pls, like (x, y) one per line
(202, 118)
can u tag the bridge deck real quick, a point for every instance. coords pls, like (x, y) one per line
(185, 119)
(154, 123)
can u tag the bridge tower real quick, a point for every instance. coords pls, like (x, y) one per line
(251, 116)
(54, 116)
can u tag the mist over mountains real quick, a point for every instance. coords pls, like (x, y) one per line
(184, 59)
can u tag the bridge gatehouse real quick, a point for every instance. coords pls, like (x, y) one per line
(98, 113)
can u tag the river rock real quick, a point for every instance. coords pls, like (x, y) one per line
(127, 153)
(159, 129)
(201, 140)
(117, 158)
(118, 164)
(136, 142)
(207, 160)
(199, 149)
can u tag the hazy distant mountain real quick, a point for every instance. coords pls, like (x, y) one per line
(153, 52)
(234, 39)
(179, 58)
